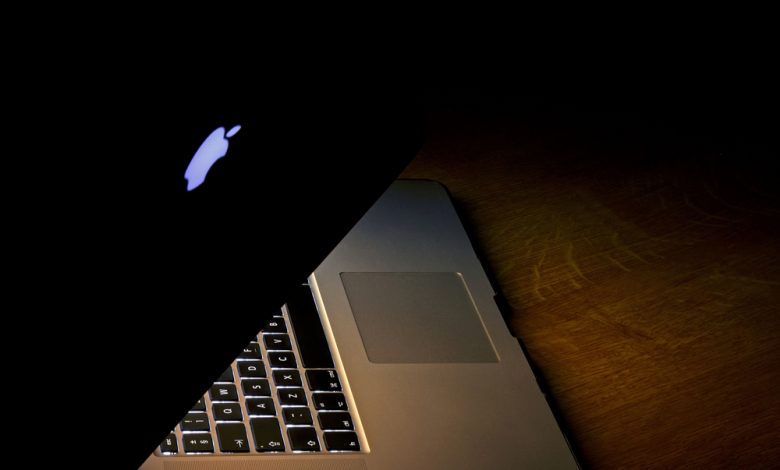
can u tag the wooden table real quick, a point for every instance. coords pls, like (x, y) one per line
(642, 271)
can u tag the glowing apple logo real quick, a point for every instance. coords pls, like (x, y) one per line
(212, 149)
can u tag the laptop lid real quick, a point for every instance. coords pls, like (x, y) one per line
(158, 283)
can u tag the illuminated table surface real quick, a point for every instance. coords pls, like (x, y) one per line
(642, 274)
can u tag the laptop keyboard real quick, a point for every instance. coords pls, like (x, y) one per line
(281, 395)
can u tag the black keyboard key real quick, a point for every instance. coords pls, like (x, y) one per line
(277, 342)
(329, 401)
(292, 396)
(297, 416)
(223, 392)
(198, 442)
(303, 439)
(169, 445)
(341, 441)
(323, 380)
(256, 388)
(336, 420)
(226, 376)
(287, 378)
(260, 406)
(282, 359)
(251, 369)
(276, 325)
(251, 351)
(227, 412)
(200, 405)
(195, 422)
(268, 437)
(305, 320)
(232, 437)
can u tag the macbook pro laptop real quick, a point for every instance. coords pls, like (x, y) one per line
(393, 354)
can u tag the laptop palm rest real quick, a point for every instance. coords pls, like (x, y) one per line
(419, 318)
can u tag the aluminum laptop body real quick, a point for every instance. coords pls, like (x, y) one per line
(429, 372)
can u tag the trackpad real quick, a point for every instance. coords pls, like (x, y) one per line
(417, 318)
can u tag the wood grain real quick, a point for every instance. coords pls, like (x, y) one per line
(643, 275)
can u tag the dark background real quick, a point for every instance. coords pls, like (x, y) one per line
(82, 113)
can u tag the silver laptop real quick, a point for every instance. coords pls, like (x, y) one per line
(393, 355)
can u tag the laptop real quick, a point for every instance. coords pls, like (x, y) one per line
(393, 354)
